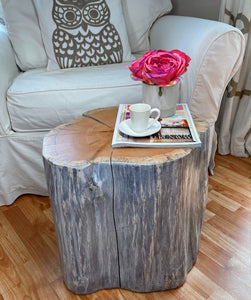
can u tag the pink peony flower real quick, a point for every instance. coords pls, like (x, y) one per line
(160, 67)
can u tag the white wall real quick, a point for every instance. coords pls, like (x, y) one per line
(206, 9)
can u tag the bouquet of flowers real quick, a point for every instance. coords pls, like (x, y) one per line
(160, 67)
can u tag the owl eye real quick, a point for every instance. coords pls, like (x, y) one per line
(68, 17)
(96, 14)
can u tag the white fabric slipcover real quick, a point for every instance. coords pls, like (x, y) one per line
(216, 50)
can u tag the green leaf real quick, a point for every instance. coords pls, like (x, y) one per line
(160, 91)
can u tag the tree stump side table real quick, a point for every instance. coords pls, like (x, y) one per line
(127, 217)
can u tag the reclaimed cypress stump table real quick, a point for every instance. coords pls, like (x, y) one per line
(127, 217)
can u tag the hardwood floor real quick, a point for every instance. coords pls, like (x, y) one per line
(29, 263)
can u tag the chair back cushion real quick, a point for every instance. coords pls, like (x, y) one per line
(24, 33)
(83, 33)
(139, 17)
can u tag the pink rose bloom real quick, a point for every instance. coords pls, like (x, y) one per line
(160, 67)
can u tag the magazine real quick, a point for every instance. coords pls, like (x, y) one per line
(175, 131)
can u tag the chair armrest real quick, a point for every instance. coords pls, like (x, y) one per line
(8, 71)
(216, 50)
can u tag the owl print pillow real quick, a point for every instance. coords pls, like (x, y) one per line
(78, 33)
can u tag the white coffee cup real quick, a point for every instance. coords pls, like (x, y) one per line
(140, 116)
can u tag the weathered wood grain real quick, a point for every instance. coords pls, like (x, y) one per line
(124, 218)
(82, 208)
(159, 209)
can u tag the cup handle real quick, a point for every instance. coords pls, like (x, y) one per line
(151, 121)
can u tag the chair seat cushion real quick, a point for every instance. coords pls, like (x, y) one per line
(39, 100)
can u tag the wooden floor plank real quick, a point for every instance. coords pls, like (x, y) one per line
(208, 215)
(215, 252)
(30, 267)
(242, 166)
(182, 293)
(220, 294)
(237, 182)
(63, 293)
(11, 242)
(231, 230)
(223, 201)
(230, 192)
(202, 284)
(8, 273)
(240, 217)
(226, 280)
(31, 238)
(225, 242)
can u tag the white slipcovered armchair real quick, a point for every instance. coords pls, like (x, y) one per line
(34, 100)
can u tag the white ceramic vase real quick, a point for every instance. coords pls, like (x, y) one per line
(167, 102)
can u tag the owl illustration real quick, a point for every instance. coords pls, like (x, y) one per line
(84, 35)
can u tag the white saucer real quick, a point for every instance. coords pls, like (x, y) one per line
(125, 127)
